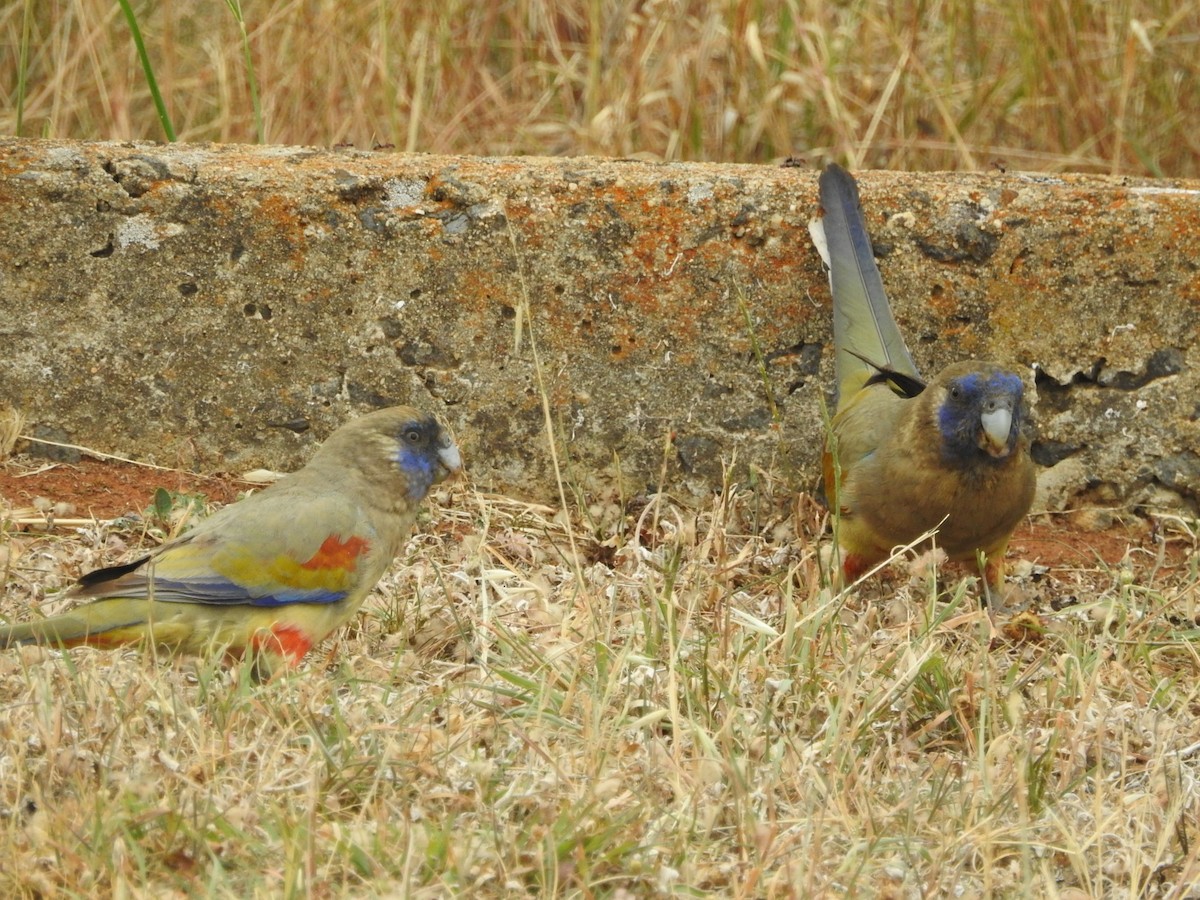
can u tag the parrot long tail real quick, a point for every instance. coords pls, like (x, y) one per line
(105, 623)
(274, 637)
(866, 337)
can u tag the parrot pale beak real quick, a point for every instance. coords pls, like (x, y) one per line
(997, 425)
(449, 459)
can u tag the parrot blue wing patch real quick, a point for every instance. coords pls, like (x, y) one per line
(228, 593)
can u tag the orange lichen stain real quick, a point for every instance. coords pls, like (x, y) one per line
(337, 554)
(621, 348)
(943, 300)
(523, 214)
(479, 290)
(1018, 263)
(967, 339)
(1187, 229)
(283, 217)
(9, 170)
(1013, 313)
(442, 194)
(319, 295)
(961, 333)
(433, 188)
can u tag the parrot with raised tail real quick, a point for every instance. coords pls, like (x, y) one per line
(906, 457)
(275, 573)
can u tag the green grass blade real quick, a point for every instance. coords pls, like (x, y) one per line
(159, 104)
(235, 7)
(23, 66)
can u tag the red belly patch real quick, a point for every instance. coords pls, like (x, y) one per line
(282, 640)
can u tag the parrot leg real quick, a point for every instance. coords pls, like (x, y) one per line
(993, 576)
(1000, 597)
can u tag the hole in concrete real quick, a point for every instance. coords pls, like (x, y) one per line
(253, 310)
(1049, 453)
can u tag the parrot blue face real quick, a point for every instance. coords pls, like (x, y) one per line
(981, 414)
(425, 454)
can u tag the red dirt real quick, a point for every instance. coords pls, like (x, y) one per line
(106, 489)
(1054, 543)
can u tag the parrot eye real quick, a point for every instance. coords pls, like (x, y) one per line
(955, 392)
(412, 436)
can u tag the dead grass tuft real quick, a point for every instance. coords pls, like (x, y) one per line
(12, 422)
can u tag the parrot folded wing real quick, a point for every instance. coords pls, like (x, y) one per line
(228, 568)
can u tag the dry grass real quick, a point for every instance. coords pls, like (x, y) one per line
(1067, 84)
(681, 709)
(12, 420)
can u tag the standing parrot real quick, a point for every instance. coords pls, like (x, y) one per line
(906, 457)
(278, 571)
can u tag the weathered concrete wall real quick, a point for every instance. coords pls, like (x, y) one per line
(222, 307)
